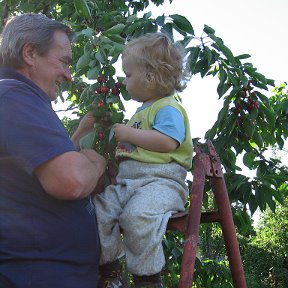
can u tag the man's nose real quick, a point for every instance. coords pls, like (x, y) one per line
(67, 75)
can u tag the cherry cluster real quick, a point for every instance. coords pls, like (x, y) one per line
(246, 100)
(104, 89)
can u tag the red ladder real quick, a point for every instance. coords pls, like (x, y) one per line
(207, 165)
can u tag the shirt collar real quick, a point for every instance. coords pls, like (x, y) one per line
(10, 73)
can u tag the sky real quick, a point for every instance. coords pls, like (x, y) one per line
(254, 27)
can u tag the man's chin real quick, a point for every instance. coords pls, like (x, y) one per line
(53, 97)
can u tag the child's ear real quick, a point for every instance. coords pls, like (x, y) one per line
(150, 78)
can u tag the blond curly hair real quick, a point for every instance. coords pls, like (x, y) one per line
(160, 61)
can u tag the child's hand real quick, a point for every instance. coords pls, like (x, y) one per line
(121, 132)
(87, 123)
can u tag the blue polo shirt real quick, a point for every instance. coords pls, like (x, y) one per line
(44, 242)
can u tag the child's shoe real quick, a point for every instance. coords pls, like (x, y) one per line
(111, 276)
(151, 281)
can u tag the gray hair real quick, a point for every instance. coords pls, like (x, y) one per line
(36, 29)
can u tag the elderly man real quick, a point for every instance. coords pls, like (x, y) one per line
(48, 229)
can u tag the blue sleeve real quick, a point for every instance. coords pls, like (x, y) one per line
(170, 122)
(31, 131)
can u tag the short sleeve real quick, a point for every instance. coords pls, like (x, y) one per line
(170, 122)
(30, 130)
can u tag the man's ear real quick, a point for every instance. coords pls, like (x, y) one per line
(28, 54)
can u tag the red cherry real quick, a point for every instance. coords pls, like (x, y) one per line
(118, 85)
(101, 79)
(104, 89)
(98, 90)
(115, 91)
(100, 135)
(254, 94)
(236, 110)
(101, 104)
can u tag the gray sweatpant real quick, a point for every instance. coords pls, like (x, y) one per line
(140, 203)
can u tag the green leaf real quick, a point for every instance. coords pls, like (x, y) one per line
(211, 132)
(227, 52)
(150, 27)
(249, 127)
(234, 80)
(268, 194)
(125, 94)
(243, 56)
(217, 40)
(257, 138)
(260, 77)
(262, 169)
(231, 156)
(114, 58)
(93, 73)
(248, 159)
(253, 205)
(87, 142)
(182, 23)
(207, 29)
(167, 28)
(99, 57)
(193, 57)
(270, 115)
(208, 55)
(111, 134)
(116, 38)
(260, 197)
(147, 15)
(117, 117)
(134, 27)
(87, 32)
(131, 18)
(83, 61)
(117, 29)
(82, 8)
(223, 113)
(260, 85)
(223, 75)
(202, 67)
(160, 20)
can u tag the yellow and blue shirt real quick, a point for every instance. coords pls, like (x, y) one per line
(175, 121)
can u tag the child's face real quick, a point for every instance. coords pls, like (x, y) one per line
(134, 81)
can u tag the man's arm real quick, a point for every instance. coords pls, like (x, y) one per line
(72, 175)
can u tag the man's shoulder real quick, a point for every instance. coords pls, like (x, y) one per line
(9, 85)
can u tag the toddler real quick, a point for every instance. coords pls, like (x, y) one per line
(154, 152)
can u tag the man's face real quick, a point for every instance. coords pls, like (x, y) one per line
(50, 70)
